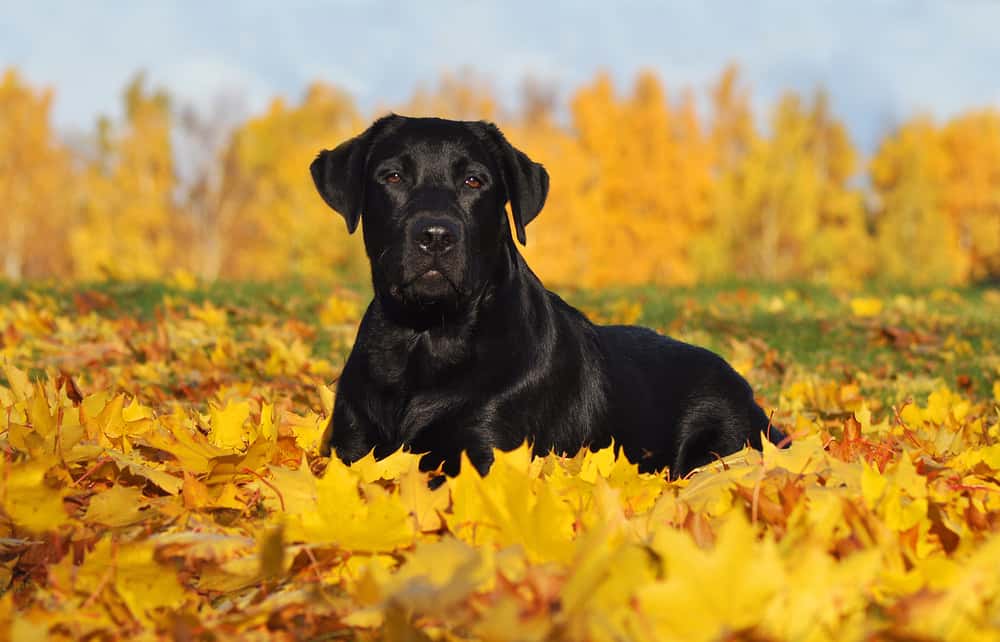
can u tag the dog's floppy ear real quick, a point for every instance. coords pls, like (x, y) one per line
(526, 181)
(339, 174)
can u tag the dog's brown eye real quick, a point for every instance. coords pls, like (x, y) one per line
(473, 182)
(393, 178)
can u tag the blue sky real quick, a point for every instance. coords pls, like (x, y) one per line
(881, 61)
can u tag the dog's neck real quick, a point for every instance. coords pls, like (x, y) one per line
(506, 274)
(432, 340)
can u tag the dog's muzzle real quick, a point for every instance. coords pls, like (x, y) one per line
(434, 258)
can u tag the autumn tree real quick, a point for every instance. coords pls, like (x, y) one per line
(917, 242)
(282, 228)
(215, 191)
(128, 223)
(732, 134)
(560, 240)
(538, 103)
(786, 207)
(839, 249)
(971, 195)
(646, 182)
(37, 185)
(643, 190)
(461, 95)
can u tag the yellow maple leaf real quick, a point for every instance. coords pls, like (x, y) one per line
(900, 495)
(227, 427)
(215, 318)
(194, 493)
(18, 381)
(133, 464)
(326, 396)
(873, 484)
(271, 551)
(708, 593)
(866, 306)
(191, 448)
(307, 429)
(30, 502)
(803, 455)
(425, 505)
(338, 310)
(118, 425)
(505, 621)
(268, 429)
(42, 419)
(513, 505)
(864, 417)
(183, 280)
(389, 468)
(824, 595)
(117, 506)
(596, 464)
(297, 487)
(606, 571)
(143, 583)
(436, 576)
(340, 509)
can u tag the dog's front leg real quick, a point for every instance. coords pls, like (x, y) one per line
(450, 461)
(482, 459)
(350, 434)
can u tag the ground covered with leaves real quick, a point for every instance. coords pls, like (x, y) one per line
(161, 479)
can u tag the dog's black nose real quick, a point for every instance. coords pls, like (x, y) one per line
(435, 239)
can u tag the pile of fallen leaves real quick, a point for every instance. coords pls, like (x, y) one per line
(161, 480)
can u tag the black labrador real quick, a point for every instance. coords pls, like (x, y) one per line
(463, 348)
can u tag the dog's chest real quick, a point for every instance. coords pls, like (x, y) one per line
(420, 382)
(419, 361)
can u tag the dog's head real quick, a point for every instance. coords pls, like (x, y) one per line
(431, 193)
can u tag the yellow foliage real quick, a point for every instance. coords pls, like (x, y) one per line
(645, 189)
(972, 193)
(128, 227)
(783, 205)
(37, 186)
(30, 500)
(917, 242)
(617, 203)
(281, 228)
(866, 306)
(708, 593)
(150, 499)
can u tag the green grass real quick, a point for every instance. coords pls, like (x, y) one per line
(809, 330)
(813, 327)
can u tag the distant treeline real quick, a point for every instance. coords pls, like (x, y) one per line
(645, 188)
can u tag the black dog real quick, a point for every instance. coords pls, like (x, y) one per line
(463, 349)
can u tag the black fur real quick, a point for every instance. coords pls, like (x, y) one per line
(463, 349)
